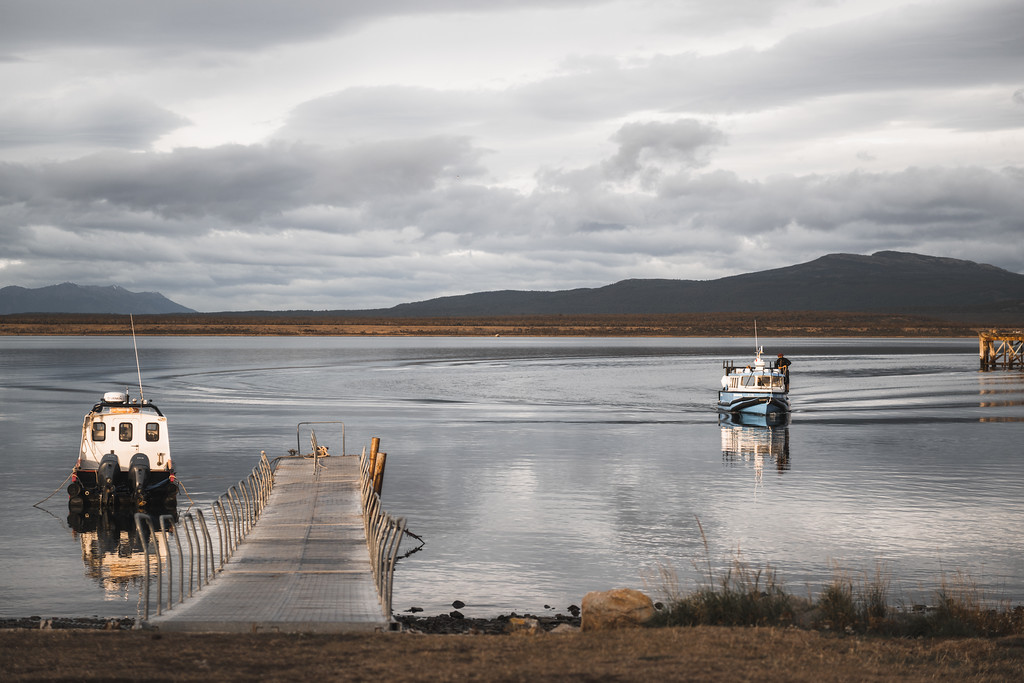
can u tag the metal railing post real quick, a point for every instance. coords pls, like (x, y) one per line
(192, 549)
(141, 519)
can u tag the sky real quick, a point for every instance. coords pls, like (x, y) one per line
(331, 154)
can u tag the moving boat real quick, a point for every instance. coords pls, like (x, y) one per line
(761, 388)
(125, 457)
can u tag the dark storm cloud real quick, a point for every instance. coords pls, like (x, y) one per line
(683, 141)
(114, 121)
(239, 183)
(913, 205)
(398, 199)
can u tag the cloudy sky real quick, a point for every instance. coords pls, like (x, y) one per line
(324, 154)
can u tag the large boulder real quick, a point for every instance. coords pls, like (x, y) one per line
(619, 608)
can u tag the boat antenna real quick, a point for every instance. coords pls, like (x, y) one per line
(138, 368)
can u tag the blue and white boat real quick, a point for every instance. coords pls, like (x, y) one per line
(761, 388)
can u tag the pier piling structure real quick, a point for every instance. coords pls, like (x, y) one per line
(1001, 349)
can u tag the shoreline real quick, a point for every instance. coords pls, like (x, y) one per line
(769, 324)
(447, 624)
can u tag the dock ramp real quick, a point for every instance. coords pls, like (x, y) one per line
(305, 565)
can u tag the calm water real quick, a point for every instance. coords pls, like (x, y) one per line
(539, 469)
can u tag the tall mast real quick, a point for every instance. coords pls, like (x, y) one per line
(138, 368)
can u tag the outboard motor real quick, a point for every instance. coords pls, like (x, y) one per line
(171, 495)
(138, 473)
(105, 474)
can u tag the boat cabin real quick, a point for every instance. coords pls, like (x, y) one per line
(744, 380)
(125, 427)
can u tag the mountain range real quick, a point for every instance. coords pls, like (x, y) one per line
(884, 282)
(72, 298)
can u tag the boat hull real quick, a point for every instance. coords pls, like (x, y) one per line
(86, 491)
(752, 403)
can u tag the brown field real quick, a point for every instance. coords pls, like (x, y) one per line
(705, 653)
(785, 324)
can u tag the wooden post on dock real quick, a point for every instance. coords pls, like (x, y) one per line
(378, 473)
(1001, 349)
(374, 447)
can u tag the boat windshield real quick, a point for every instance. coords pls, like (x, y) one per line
(754, 380)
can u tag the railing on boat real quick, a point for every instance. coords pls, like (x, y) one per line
(236, 512)
(730, 366)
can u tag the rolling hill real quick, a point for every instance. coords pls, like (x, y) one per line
(886, 281)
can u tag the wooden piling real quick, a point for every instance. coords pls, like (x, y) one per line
(374, 447)
(1001, 349)
(378, 473)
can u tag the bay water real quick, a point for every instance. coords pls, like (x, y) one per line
(538, 469)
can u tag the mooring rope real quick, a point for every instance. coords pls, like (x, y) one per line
(54, 491)
(191, 503)
(414, 550)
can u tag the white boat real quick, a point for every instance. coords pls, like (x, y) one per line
(761, 388)
(125, 457)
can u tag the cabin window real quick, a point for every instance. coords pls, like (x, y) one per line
(99, 431)
(152, 431)
(124, 431)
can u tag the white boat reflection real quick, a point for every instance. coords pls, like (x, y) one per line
(757, 440)
(111, 549)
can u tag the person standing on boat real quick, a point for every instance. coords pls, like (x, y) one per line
(783, 364)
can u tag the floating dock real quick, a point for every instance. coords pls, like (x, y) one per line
(1001, 349)
(305, 565)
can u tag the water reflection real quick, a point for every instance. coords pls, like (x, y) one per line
(112, 549)
(1001, 394)
(755, 439)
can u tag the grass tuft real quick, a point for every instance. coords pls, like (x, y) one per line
(747, 596)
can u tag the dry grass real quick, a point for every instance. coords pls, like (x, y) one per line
(698, 654)
(743, 596)
(790, 323)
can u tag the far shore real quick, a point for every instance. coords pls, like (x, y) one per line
(769, 324)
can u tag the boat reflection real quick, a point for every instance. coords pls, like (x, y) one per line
(111, 548)
(755, 439)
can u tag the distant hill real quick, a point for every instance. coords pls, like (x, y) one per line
(72, 298)
(887, 281)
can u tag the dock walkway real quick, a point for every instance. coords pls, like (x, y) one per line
(304, 566)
